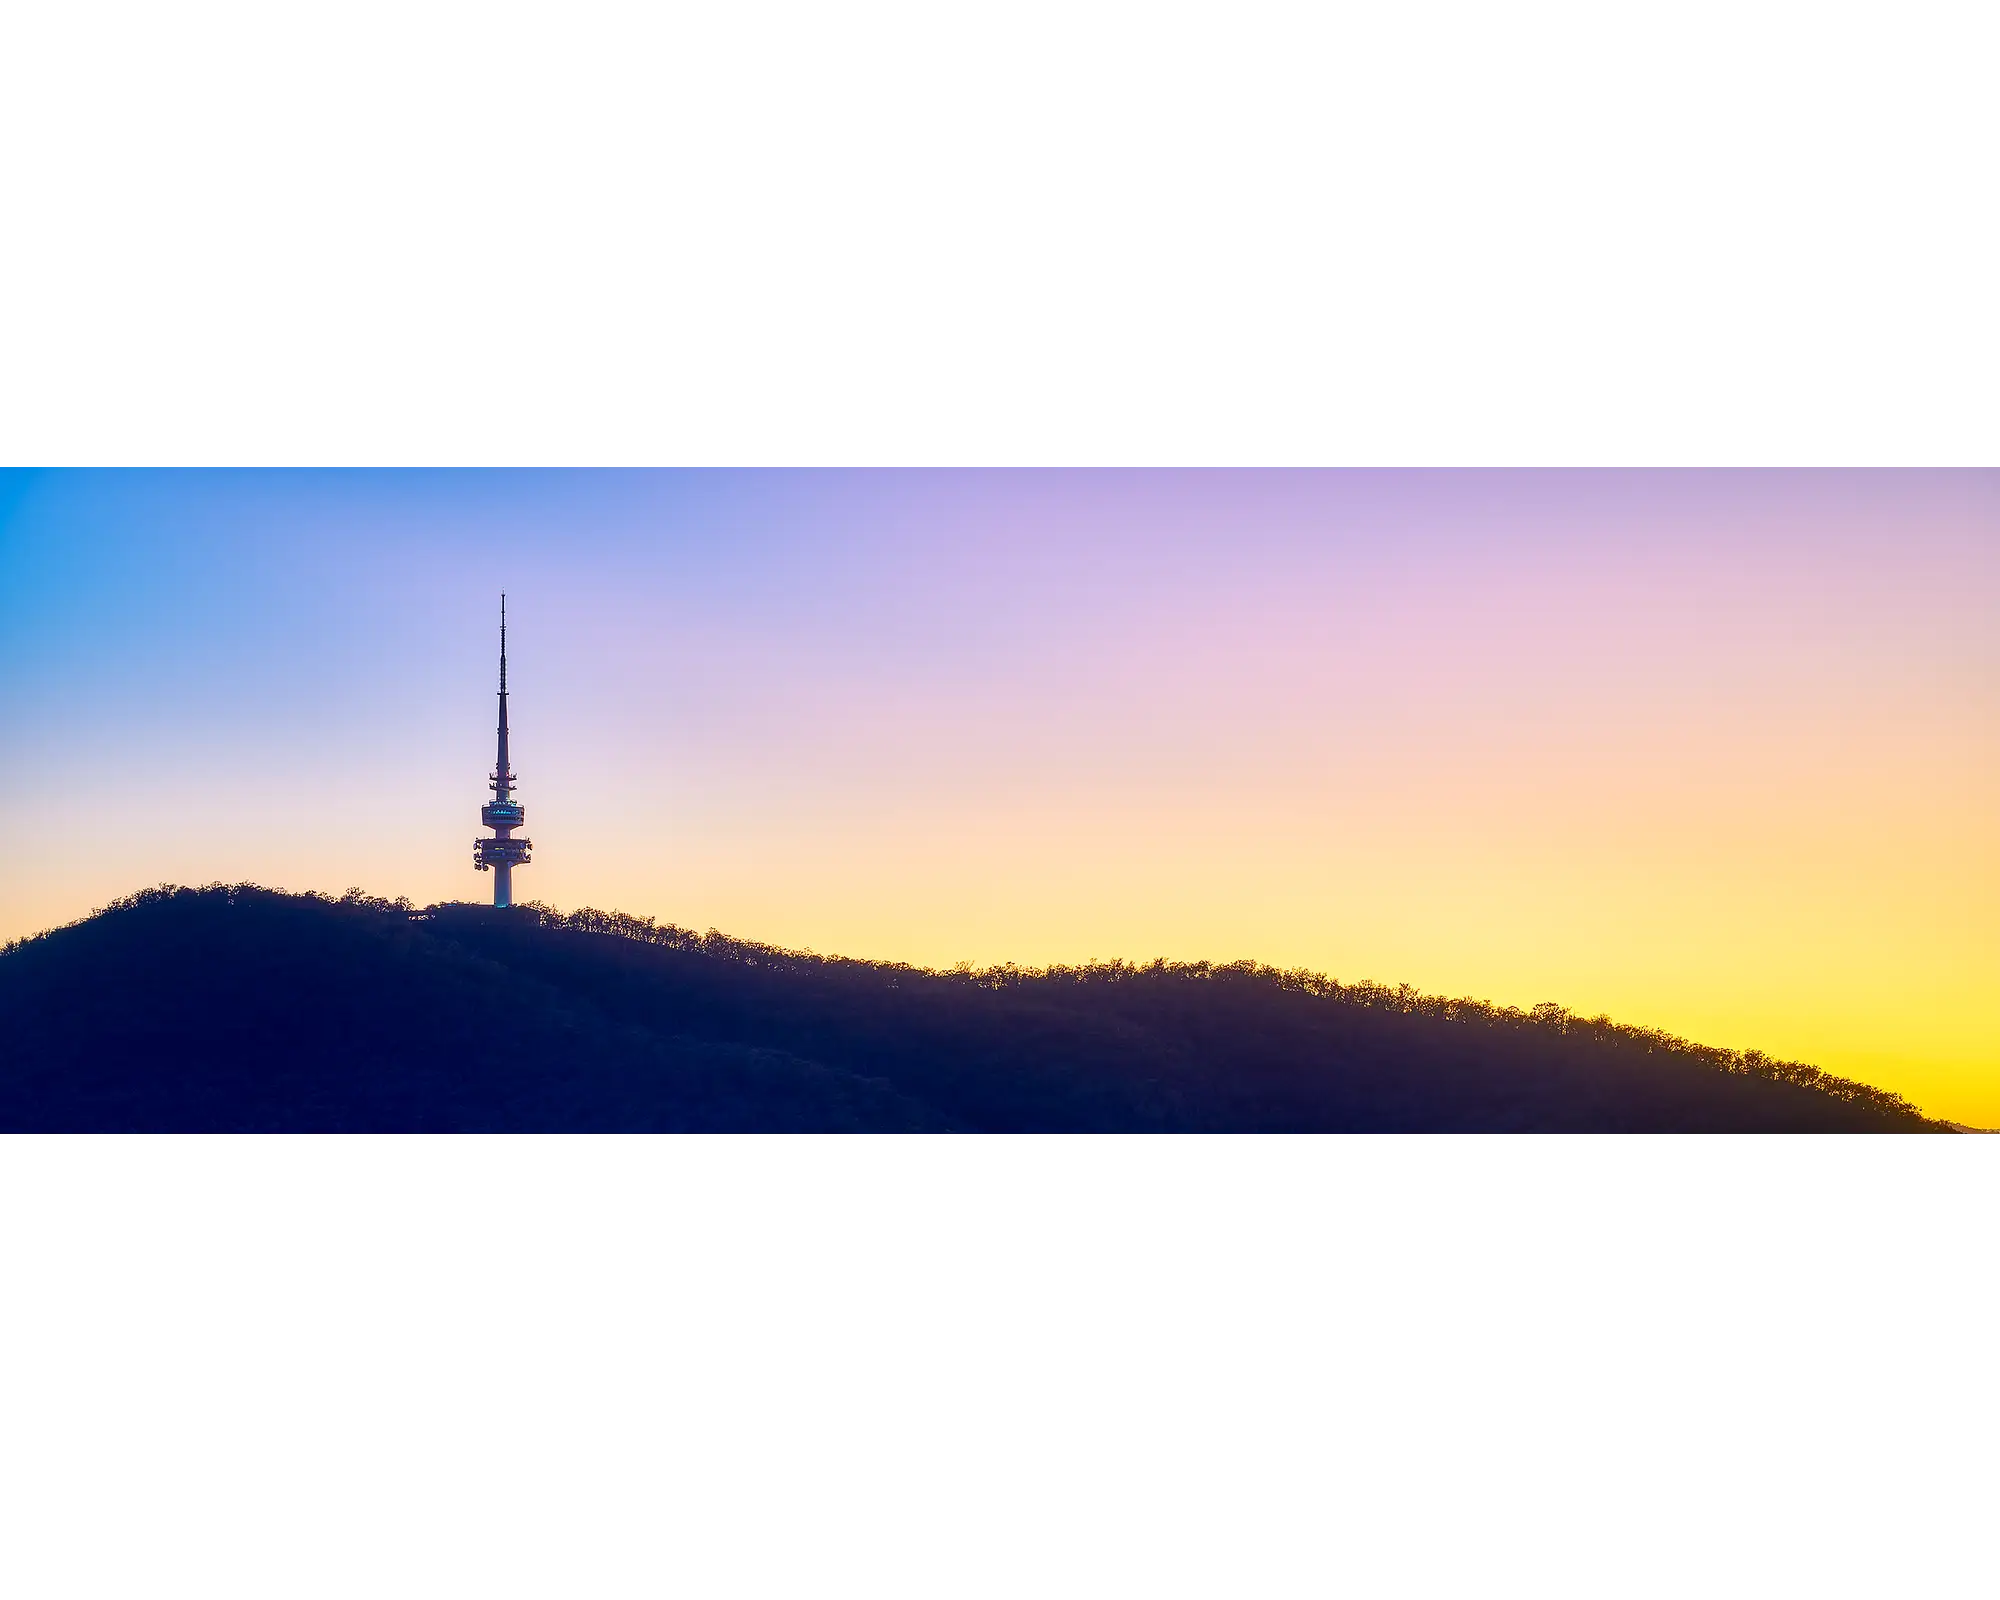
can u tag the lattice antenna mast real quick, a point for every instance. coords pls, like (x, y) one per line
(503, 813)
(503, 777)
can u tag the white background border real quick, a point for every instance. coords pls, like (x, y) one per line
(996, 1366)
(1721, 233)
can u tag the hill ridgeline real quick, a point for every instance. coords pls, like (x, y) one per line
(242, 1009)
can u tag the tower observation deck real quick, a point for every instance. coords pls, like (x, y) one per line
(503, 813)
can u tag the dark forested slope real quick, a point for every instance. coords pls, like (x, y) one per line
(239, 1008)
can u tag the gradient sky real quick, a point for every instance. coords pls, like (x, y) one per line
(1715, 752)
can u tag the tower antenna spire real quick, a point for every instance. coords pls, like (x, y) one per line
(503, 813)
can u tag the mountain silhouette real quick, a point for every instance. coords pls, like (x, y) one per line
(243, 1009)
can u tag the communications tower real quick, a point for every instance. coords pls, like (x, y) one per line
(503, 813)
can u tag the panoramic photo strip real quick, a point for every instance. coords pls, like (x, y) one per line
(991, 801)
